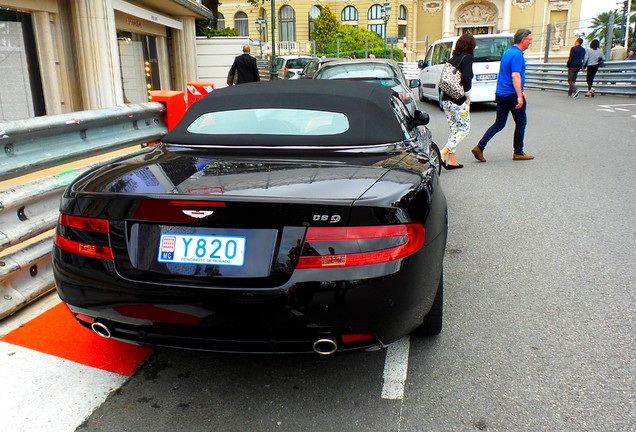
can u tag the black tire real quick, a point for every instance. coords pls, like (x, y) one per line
(420, 94)
(438, 156)
(432, 324)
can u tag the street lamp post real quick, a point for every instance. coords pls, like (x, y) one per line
(385, 14)
(260, 26)
(273, 72)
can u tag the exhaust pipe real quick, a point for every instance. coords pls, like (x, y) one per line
(101, 329)
(325, 346)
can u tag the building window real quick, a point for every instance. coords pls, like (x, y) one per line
(220, 23)
(375, 14)
(313, 14)
(402, 13)
(241, 24)
(287, 24)
(377, 28)
(349, 13)
(402, 22)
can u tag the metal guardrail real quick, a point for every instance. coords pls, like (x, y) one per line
(614, 77)
(29, 211)
(410, 70)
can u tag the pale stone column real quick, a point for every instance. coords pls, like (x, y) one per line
(164, 63)
(185, 53)
(446, 24)
(507, 10)
(98, 53)
(47, 55)
(414, 31)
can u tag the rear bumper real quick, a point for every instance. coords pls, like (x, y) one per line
(377, 301)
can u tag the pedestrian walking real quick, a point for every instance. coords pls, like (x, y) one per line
(458, 110)
(574, 64)
(593, 60)
(246, 66)
(618, 51)
(510, 97)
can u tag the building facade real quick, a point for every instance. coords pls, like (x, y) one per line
(59, 56)
(553, 22)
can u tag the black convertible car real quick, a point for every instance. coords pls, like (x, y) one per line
(279, 217)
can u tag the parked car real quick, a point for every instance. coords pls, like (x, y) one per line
(276, 217)
(384, 71)
(290, 65)
(486, 62)
(312, 67)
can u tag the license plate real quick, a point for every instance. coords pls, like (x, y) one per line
(486, 77)
(201, 249)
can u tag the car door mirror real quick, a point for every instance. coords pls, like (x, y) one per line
(421, 118)
(420, 64)
(414, 83)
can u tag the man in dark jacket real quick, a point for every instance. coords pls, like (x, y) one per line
(574, 64)
(246, 66)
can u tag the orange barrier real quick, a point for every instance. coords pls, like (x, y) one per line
(175, 105)
(198, 90)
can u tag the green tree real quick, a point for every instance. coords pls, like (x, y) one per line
(325, 27)
(600, 25)
(352, 39)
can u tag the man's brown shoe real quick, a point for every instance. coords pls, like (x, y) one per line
(524, 156)
(479, 155)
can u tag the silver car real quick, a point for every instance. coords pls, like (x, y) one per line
(290, 65)
(384, 71)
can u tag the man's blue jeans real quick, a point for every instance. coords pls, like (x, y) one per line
(506, 104)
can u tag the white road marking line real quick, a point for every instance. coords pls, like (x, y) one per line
(621, 109)
(395, 368)
(46, 393)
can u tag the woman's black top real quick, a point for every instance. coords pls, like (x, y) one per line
(464, 62)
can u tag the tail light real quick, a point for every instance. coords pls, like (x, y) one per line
(327, 247)
(405, 96)
(82, 248)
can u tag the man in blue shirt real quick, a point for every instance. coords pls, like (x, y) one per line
(510, 97)
(574, 64)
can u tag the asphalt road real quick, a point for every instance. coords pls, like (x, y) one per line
(540, 317)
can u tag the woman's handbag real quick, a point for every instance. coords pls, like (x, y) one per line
(232, 78)
(450, 81)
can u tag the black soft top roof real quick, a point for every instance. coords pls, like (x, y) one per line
(366, 105)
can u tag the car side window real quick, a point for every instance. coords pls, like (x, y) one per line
(404, 116)
(311, 68)
(442, 53)
(428, 58)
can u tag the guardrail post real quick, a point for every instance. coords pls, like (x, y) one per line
(175, 105)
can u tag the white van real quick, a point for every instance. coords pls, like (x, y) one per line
(486, 62)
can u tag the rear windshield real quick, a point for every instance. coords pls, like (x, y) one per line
(491, 49)
(296, 63)
(356, 70)
(270, 121)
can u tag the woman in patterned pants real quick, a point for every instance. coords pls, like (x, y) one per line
(458, 110)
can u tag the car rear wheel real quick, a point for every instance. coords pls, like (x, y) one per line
(437, 157)
(432, 324)
(420, 94)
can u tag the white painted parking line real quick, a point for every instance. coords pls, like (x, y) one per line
(395, 369)
(41, 392)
